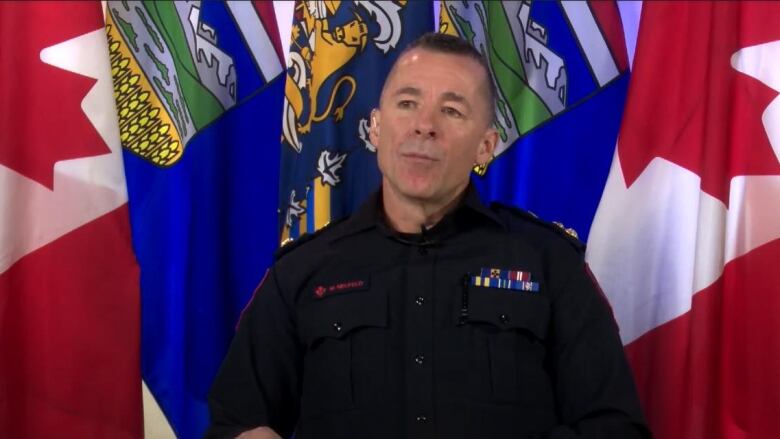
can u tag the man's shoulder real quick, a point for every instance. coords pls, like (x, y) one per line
(308, 240)
(519, 221)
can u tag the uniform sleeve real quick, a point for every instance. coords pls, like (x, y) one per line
(594, 387)
(258, 383)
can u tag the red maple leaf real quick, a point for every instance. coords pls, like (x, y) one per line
(41, 120)
(687, 104)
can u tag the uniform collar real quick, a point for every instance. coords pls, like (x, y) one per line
(370, 215)
(471, 201)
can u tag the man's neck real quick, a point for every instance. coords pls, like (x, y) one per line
(407, 215)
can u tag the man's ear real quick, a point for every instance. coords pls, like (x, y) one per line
(373, 130)
(487, 146)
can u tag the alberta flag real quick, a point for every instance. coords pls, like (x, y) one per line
(340, 53)
(686, 242)
(561, 72)
(198, 90)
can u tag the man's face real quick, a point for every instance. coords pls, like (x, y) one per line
(432, 125)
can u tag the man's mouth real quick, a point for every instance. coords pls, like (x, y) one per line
(418, 157)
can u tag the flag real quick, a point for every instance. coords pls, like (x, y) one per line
(69, 304)
(561, 72)
(340, 53)
(686, 241)
(198, 91)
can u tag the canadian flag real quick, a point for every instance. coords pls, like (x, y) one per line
(69, 301)
(686, 240)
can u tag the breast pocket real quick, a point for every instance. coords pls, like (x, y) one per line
(514, 326)
(344, 335)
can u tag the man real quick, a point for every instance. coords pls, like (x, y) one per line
(427, 314)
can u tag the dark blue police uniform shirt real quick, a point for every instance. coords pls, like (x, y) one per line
(361, 332)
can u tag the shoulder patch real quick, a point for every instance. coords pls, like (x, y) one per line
(510, 213)
(292, 244)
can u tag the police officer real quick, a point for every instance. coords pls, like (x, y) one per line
(427, 314)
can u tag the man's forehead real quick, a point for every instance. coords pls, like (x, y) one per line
(420, 56)
(406, 73)
(410, 57)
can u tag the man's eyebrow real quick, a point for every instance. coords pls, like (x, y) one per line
(408, 90)
(449, 96)
(452, 96)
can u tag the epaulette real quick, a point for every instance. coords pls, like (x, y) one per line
(569, 234)
(292, 244)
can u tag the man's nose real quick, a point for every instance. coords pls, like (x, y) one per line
(425, 125)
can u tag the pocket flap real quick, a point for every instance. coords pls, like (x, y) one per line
(338, 315)
(509, 309)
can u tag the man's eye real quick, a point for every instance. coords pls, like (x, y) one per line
(449, 111)
(406, 104)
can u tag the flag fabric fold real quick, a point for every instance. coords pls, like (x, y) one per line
(687, 235)
(69, 302)
(198, 90)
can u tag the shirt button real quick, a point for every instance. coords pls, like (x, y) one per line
(419, 301)
(337, 326)
(504, 318)
(420, 359)
(421, 419)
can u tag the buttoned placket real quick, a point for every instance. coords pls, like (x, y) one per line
(418, 293)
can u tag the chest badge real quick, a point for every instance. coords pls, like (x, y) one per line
(505, 279)
(321, 291)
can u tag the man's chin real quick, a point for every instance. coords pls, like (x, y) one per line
(417, 190)
(417, 193)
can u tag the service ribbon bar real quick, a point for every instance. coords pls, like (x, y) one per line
(505, 279)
